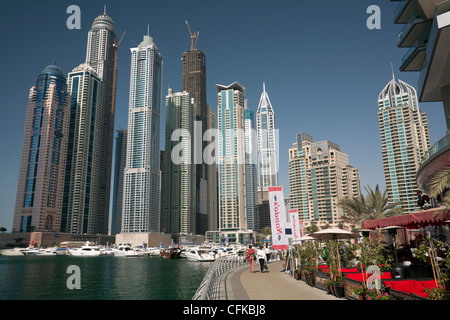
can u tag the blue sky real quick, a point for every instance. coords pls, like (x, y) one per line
(322, 66)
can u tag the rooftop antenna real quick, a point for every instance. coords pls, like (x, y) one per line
(194, 36)
(104, 11)
(393, 75)
(148, 30)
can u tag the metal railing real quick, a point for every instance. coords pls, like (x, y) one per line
(441, 145)
(210, 289)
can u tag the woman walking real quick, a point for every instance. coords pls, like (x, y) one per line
(251, 258)
(261, 255)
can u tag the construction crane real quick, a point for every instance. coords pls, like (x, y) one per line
(194, 37)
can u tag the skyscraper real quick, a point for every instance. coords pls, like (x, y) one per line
(319, 176)
(267, 143)
(120, 161)
(179, 175)
(404, 141)
(83, 210)
(141, 209)
(231, 158)
(250, 166)
(42, 164)
(194, 82)
(86, 196)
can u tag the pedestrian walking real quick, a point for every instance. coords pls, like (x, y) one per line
(261, 255)
(251, 254)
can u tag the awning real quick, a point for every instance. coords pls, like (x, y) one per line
(414, 220)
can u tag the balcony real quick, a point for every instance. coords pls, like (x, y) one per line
(417, 29)
(436, 64)
(413, 60)
(404, 11)
(437, 158)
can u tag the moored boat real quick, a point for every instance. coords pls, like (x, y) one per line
(125, 250)
(87, 250)
(171, 253)
(194, 255)
(14, 252)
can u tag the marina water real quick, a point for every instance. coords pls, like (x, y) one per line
(101, 278)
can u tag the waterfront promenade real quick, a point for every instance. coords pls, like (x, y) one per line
(273, 284)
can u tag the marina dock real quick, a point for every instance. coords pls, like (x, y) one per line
(273, 284)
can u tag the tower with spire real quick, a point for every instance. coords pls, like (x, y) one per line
(405, 139)
(267, 139)
(92, 87)
(141, 206)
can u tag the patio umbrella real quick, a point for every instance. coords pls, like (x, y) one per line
(304, 238)
(335, 234)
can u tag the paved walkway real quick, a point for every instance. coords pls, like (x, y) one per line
(273, 284)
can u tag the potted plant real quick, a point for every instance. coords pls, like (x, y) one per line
(338, 287)
(329, 285)
(308, 254)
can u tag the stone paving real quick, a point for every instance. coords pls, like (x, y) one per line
(273, 284)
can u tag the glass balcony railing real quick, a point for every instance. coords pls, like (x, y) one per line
(418, 44)
(441, 145)
(400, 8)
(407, 28)
(443, 7)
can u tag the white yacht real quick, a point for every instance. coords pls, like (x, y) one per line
(125, 250)
(14, 252)
(47, 252)
(154, 252)
(86, 250)
(195, 255)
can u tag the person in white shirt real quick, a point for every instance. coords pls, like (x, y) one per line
(261, 255)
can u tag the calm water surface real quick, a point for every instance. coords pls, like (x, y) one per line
(102, 278)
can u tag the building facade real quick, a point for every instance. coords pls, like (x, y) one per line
(194, 82)
(82, 207)
(141, 208)
(250, 166)
(120, 161)
(178, 215)
(405, 140)
(267, 143)
(41, 177)
(319, 177)
(231, 158)
(426, 32)
(92, 87)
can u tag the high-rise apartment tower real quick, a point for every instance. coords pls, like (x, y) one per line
(141, 209)
(404, 141)
(231, 158)
(320, 176)
(42, 165)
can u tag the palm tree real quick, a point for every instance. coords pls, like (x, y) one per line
(356, 210)
(379, 204)
(438, 187)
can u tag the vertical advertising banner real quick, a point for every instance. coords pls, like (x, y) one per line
(293, 215)
(278, 218)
